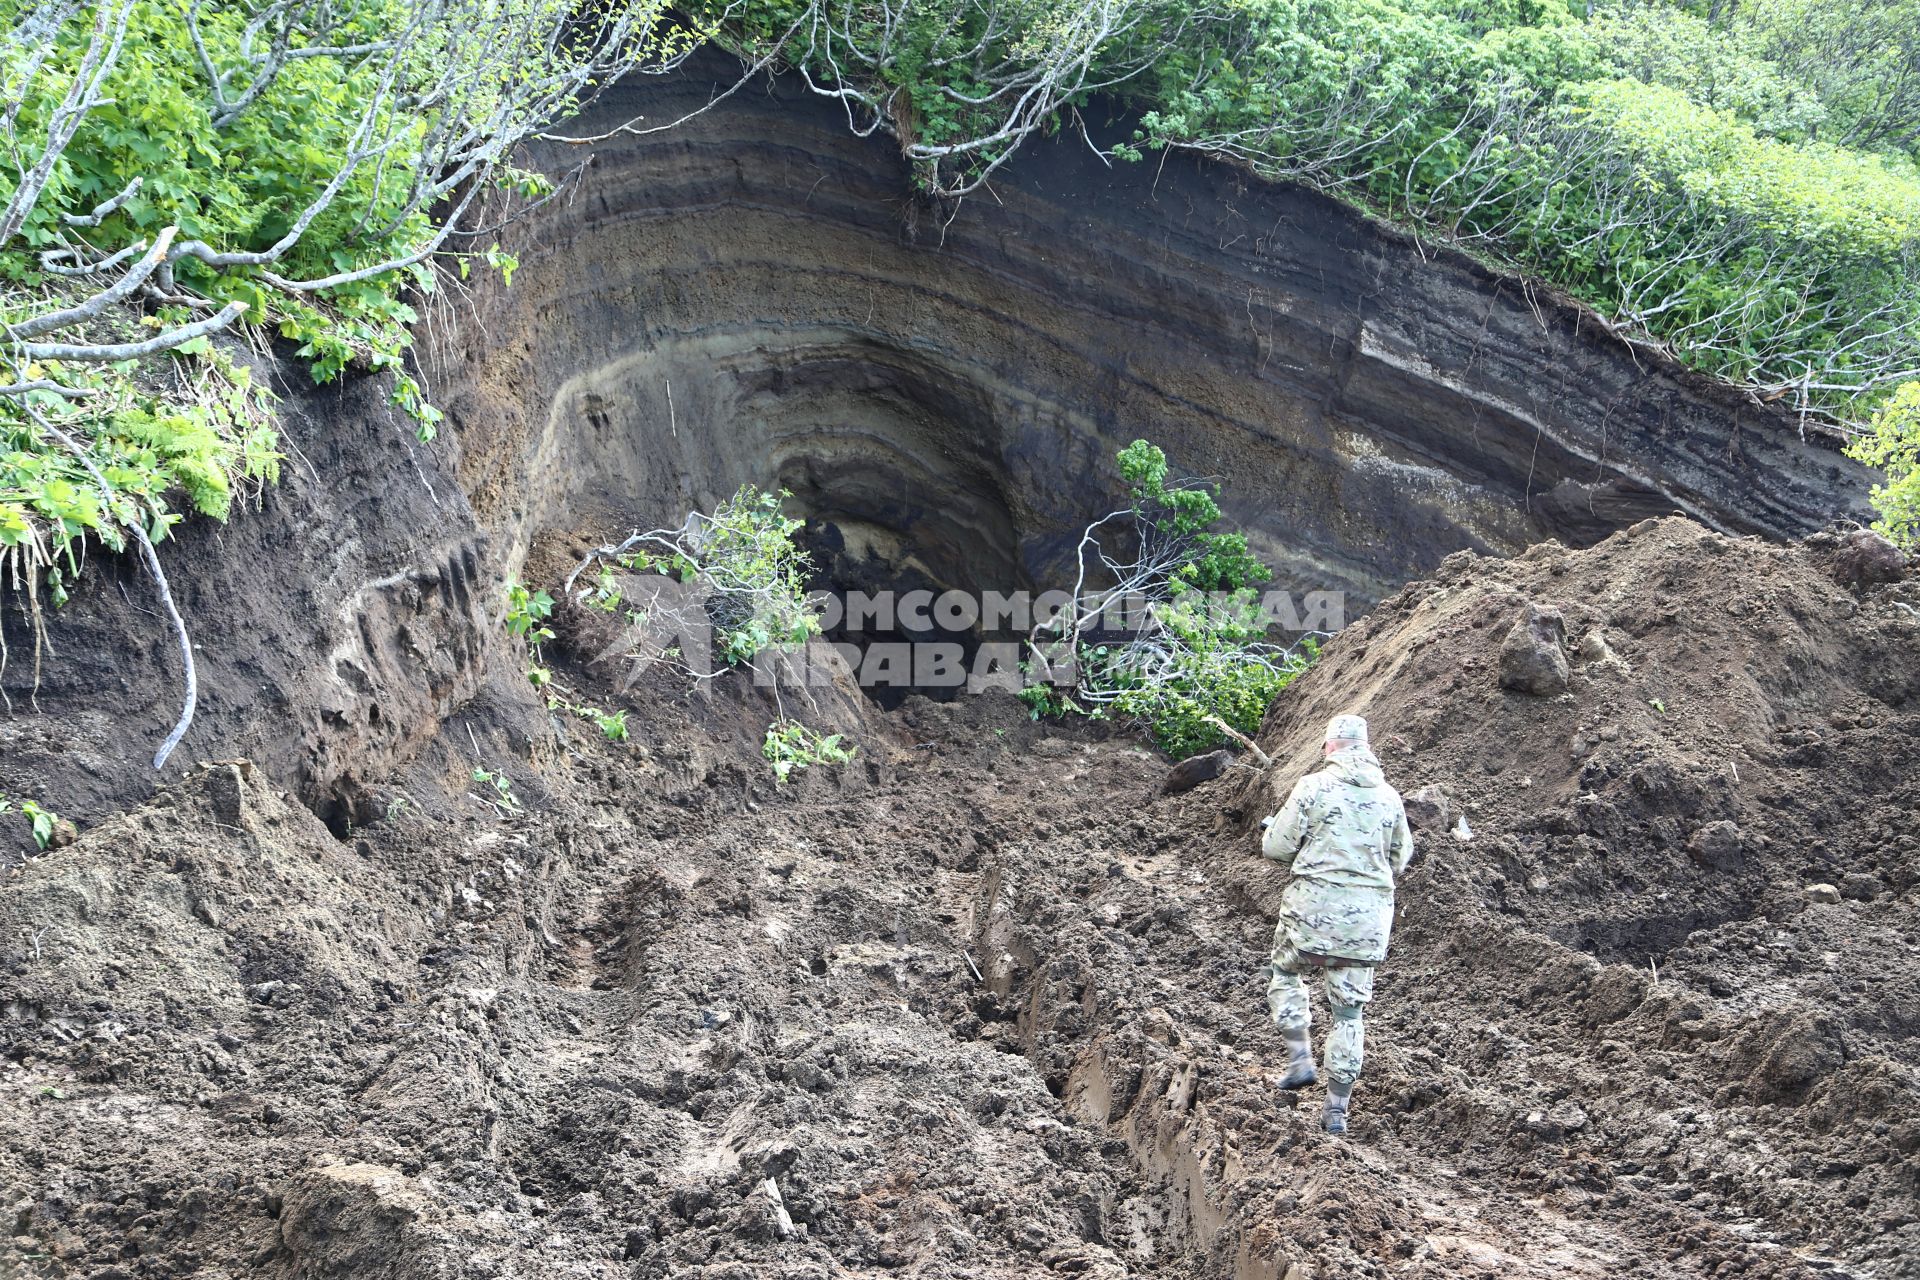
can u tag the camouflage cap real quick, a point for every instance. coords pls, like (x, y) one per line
(1347, 729)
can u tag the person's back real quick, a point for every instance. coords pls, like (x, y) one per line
(1343, 832)
(1350, 820)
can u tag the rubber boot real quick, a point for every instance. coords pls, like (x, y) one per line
(1300, 1072)
(1334, 1117)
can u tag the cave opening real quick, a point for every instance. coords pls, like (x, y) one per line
(916, 481)
(910, 523)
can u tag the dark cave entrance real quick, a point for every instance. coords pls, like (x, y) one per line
(913, 571)
(917, 520)
(920, 484)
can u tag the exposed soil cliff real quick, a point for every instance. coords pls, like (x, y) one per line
(337, 626)
(755, 296)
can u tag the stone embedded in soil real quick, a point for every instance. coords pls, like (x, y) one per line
(1717, 846)
(1860, 888)
(226, 791)
(1867, 559)
(1194, 770)
(1429, 808)
(1533, 658)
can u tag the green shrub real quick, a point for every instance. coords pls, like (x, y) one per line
(1848, 204)
(1894, 446)
(744, 559)
(308, 163)
(790, 746)
(746, 555)
(1199, 663)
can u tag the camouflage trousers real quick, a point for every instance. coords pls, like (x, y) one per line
(1349, 987)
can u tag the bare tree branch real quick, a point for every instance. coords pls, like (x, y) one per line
(190, 678)
(107, 352)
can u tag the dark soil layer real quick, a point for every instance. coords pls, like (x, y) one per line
(983, 1005)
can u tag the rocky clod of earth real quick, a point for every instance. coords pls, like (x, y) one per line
(1194, 770)
(1429, 809)
(358, 1221)
(1717, 845)
(1865, 558)
(987, 1004)
(1533, 658)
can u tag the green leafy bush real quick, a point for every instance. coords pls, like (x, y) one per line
(194, 432)
(1213, 677)
(747, 556)
(528, 612)
(1844, 203)
(299, 167)
(1209, 561)
(790, 746)
(1198, 665)
(742, 557)
(1894, 446)
(1858, 58)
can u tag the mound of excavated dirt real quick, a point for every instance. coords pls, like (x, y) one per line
(984, 1004)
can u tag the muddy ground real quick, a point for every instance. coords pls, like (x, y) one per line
(986, 1004)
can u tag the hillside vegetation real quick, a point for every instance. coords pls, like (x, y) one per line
(298, 169)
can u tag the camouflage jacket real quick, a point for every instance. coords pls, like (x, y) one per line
(1344, 834)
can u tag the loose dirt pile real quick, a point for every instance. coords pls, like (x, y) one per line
(985, 1005)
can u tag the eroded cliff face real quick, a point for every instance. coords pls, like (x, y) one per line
(338, 623)
(756, 296)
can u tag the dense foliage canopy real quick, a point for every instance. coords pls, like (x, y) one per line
(308, 168)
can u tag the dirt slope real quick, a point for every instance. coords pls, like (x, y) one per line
(986, 1005)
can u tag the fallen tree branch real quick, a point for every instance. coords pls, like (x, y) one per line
(191, 680)
(42, 384)
(104, 208)
(107, 354)
(1241, 738)
(119, 291)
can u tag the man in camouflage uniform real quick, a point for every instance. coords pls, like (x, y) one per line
(1344, 834)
